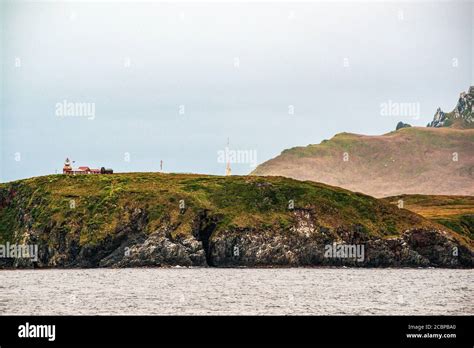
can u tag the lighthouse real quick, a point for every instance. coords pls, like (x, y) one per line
(67, 166)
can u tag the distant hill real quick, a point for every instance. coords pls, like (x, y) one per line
(433, 160)
(410, 160)
(151, 219)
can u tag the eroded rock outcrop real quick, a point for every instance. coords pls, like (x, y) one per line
(462, 115)
(302, 244)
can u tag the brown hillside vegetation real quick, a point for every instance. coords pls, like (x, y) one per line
(454, 212)
(433, 161)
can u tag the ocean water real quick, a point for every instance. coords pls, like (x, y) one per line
(211, 291)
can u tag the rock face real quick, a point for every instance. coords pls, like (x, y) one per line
(206, 233)
(307, 247)
(438, 120)
(462, 116)
(401, 125)
(129, 246)
(304, 244)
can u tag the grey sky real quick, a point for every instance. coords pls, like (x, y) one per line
(237, 68)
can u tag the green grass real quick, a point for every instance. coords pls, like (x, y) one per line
(93, 206)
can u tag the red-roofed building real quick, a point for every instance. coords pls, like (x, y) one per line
(68, 169)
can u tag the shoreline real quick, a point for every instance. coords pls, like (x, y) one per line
(234, 268)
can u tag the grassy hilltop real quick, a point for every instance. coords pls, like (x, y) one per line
(89, 220)
(93, 205)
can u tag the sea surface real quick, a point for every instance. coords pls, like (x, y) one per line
(211, 291)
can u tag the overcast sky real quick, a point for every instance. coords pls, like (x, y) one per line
(173, 81)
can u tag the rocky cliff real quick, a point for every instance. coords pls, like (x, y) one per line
(461, 117)
(148, 219)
